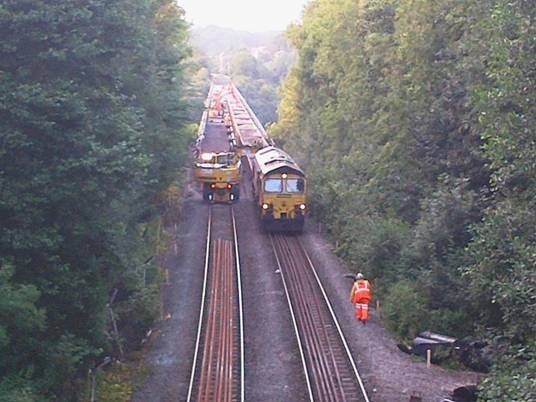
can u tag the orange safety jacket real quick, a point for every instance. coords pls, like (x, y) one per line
(360, 291)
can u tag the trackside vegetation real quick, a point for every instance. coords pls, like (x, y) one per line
(415, 123)
(92, 132)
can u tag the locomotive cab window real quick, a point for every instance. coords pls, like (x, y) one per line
(273, 185)
(224, 159)
(295, 185)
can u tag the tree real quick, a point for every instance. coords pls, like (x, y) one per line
(92, 129)
(414, 123)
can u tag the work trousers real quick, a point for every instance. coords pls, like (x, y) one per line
(361, 310)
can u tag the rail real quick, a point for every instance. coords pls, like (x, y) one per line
(218, 363)
(330, 370)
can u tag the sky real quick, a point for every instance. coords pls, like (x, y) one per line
(244, 15)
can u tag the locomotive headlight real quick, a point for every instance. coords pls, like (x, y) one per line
(212, 186)
(284, 175)
(265, 206)
(302, 207)
(207, 156)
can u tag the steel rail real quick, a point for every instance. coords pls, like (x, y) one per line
(211, 331)
(202, 309)
(216, 377)
(320, 371)
(308, 311)
(336, 321)
(240, 306)
(294, 321)
(327, 362)
(218, 367)
(324, 350)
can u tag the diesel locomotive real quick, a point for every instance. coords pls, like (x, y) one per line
(279, 187)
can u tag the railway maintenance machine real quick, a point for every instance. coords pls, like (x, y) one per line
(217, 164)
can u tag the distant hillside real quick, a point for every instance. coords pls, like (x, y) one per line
(257, 63)
(213, 40)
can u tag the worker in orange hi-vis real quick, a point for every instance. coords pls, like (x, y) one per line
(218, 105)
(360, 296)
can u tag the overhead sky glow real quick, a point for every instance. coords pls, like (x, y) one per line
(244, 15)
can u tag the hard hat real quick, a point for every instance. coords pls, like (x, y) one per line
(359, 276)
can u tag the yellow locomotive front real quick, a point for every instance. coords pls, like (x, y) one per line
(280, 190)
(217, 165)
(220, 175)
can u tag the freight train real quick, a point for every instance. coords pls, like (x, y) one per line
(230, 132)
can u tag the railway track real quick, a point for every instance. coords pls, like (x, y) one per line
(218, 364)
(329, 368)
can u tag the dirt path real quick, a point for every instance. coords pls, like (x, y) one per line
(170, 350)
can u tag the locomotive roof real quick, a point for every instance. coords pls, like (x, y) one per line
(271, 159)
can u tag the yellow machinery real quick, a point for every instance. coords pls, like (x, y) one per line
(220, 175)
(217, 165)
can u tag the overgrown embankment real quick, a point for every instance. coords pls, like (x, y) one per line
(415, 123)
(92, 130)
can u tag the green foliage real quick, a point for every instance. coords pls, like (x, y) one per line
(257, 62)
(243, 63)
(118, 382)
(92, 129)
(502, 252)
(64, 359)
(19, 316)
(258, 79)
(260, 95)
(17, 389)
(138, 313)
(415, 123)
(404, 309)
(513, 378)
(502, 273)
(114, 385)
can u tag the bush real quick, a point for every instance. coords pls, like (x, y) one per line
(404, 310)
(17, 389)
(513, 377)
